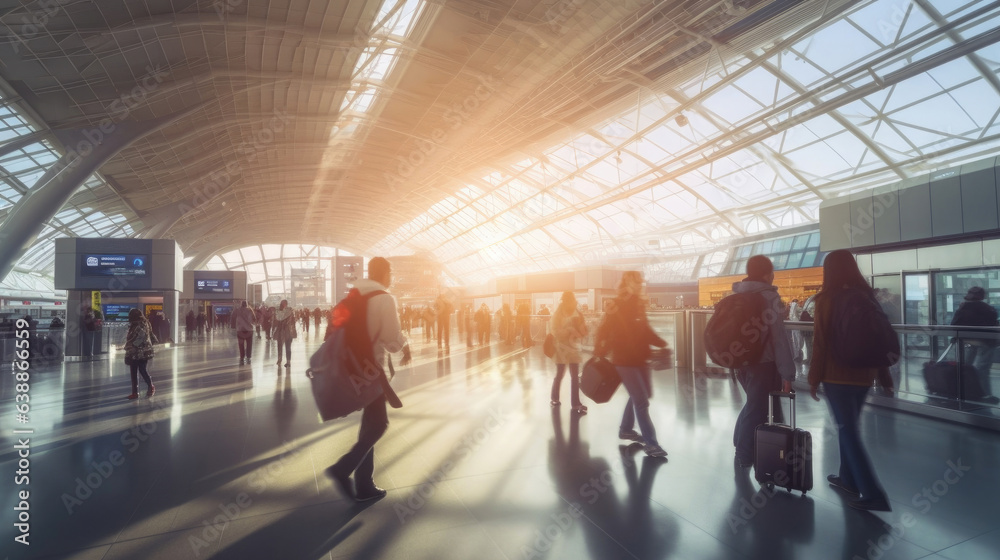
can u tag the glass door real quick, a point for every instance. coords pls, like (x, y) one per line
(917, 299)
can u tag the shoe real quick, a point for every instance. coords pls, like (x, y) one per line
(580, 409)
(241, 361)
(278, 362)
(874, 504)
(555, 403)
(133, 396)
(630, 434)
(654, 451)
(288, 364)
(151, 391)
(838, 483)
(342, 482)
(630, 450)
(373, 493)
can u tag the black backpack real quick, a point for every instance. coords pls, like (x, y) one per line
(736, 334)
(860, 333)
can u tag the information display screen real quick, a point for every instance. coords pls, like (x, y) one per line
(223, 309)
(204, 286)
(114, 265)
(116, 313)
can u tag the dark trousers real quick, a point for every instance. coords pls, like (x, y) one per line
(856, 469)
(285, 343)
(758, 381)
(246, 345)
(136, 367)
(361, 458)
(525, 328)
(574, 382)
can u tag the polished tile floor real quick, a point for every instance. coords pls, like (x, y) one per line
(226, 461)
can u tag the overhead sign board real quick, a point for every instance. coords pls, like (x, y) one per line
(114, 265)
(206, 286)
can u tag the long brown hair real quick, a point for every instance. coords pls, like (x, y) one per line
(840, 271)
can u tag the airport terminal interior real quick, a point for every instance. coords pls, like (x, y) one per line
(164, 162)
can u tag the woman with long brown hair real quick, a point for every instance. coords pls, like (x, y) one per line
(846, 387)
(568, 327)
(627, 336)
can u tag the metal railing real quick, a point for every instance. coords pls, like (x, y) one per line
(944, 366)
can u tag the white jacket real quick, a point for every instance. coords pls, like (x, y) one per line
(383, 320)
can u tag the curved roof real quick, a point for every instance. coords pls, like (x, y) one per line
(498, 137)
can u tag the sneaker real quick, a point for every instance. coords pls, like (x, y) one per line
(838, 483)
(151, 391)
(874, 504)
(630, 434)
(373, 493)
(133, 396)
(655, 451)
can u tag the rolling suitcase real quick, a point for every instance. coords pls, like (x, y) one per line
(599, 380)
(783, 454)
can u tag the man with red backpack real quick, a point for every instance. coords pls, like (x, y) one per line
(384, 334)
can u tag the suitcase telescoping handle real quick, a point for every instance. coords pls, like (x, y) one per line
(770, 406)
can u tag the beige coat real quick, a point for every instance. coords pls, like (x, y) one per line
(568, 330)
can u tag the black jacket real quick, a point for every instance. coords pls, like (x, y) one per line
(975, 314)
(626, 334)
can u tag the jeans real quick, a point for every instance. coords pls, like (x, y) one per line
(856, 469)
(757, 381)
(574, 382)
(246, 345)
(139, 366)
(361, 458)
(287, 345)
(636, 380)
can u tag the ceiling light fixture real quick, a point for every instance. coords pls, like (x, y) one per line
(681, 120)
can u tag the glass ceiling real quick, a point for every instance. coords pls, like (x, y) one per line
(20, 170)
(271, 265)
(741, 160)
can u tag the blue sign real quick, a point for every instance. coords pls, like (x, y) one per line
(204, 286)
(114, 265)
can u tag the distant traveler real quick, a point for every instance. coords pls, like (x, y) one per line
(89, 327)
(568, 328)
(846, 387)
(524, 324)
(138, 352)
(387, 336)
(975, 312)
(284, 331)
(443, 309)
(305, 316)
(625, 334)
(202, 319)
(245, 320)
(775, 370)
(265, 321)
(483, 319)
(190, 324)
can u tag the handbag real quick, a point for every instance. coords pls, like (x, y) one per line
(549, 347)
(599, 380)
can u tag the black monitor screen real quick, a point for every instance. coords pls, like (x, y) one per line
(114, 265)
(205, 286)
(116, 313)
